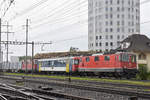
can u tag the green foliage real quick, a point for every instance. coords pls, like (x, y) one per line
(143, 73)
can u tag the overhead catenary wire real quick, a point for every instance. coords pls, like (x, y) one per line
(64, 18)
(28, 9)
(11, 1)
(61, 11)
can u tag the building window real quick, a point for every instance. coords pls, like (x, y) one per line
(96, 4)
(129, 30)
(118, 9)
(129, 2)
(106, 36)
(111, 23)
(96, 44)
(142, 56)
(122, 16)
(122, 1)
(118, 29)
(111, 30)
(118, 43)
(100, 9)
(122, 8)
(111, 36)
(100, 37)
(118, 23)
(106, 16)
(106, 43)
(99, 16)
(111, 43)
(96, 37)
(100, 44)
(118, 2)
(111, 9)
(118, 16)
(129, 24)
(118, 37)
(106, 30)
(132, 30)
(111, 16)
(106, 2)
(106, 23)
(123, 29)
(129, 9)
(123, 23)
(111, 2)
(106, 8)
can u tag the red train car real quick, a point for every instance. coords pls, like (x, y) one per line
(119, 64)
(29, 66)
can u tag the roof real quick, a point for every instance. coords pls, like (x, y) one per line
(137, 42)
(62, 54)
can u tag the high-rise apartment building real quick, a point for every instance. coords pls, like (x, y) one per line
(111, 21)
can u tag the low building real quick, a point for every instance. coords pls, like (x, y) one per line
(140, 45)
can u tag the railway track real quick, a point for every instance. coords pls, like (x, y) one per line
(127, 90)
(14, 92)
(132, 86)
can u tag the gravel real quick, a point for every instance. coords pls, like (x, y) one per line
(72, 91)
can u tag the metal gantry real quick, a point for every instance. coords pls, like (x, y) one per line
(24, 43)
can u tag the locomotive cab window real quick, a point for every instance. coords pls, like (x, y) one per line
(107, 58)
(80, 59)
(87, 59)
(96, 58)
(76, 61)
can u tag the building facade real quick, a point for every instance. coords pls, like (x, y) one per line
(111, 21)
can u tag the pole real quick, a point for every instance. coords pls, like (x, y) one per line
(32, 56)
(26, 42)
(0, 43)
(7, 40)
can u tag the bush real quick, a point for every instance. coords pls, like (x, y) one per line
(143, 73)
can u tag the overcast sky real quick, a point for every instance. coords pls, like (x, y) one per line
(64, 22)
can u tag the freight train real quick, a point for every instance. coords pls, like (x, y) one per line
(121, 64)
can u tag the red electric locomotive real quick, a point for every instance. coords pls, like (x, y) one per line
(75, 64)
(118, 65)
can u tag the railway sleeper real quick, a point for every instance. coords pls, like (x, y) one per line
(61, 95)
